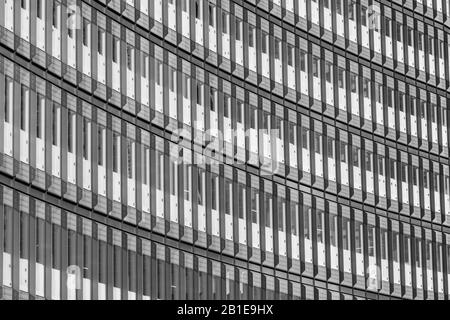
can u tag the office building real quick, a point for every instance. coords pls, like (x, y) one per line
(205, 149)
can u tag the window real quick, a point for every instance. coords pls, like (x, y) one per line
(8, 99)
(241, 201)
(85, 32)
(55, 119)
(353, 83)
(251, 40)
(318, 143)
(265, 43)
(39, 112)
(227, 106)
(281, 214)
(198, 9)
(339, 7)
(212, 16)
(224, 22)
(330, 148)
(431, 45)
(55, 15)
(159, 169)
(341, 78)
(290, 55)
(328, 72)
(100, 146)
(212, 98)
(351, 10)
(200, 187)
(294, 218)
(277, 49)
(115, 49)
(228, 195)
(305, 138)
(364, 16)
(158, 72)
(356, 157)
(100, 40)
(387, 23)
(130, 58)
(239, 112)
(187, 173)
(214, 192)
(238, 30)
(303, 61)
(39, 9)
(381, 166)
(23, 107)
(186, 86)
(343, 152)
(70, 136)
(268, 209)
(315, 67)
(86, 135)
(393, 169)
(172, 79)
(116, 141)
(255, 206)
(368, 161)
(130, 162)
(410, 37)
(405, 173)
(399, 32)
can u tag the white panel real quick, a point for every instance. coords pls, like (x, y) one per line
(9, 15)
(158, 10)
(172, 15)
(56, 279)
(25, 21)
(40, 280)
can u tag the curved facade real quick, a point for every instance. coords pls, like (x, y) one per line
(204, 149)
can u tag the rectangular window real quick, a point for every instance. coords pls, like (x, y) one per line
(8, 98)
(100, 146)
(39, 9)
(341, 78)
(264, 43)
(212, 99)
(328, 67)
(224, 22)
(130, 58)
(393, 169)
(238, 30)
(159, 170)
(363, 16)
(115, 50)
(198, 9)
(343, 152)
(85, 32)
(200, 178)
(158, 72)
(55, 119)
(186, 86)
(70, 124)
(303, 61)
(55, 15)
(214, 180)
(239, 112)
(228, 195)
(116, 141)
(39, 113)
(199, 93)
(212, 16)
(315, 67)
(130, 160)
(86, 130)
(268, 209)
(23, 107)
(399, 32)
(255, 206)
(241, 201)
(330, 148)
(277, 49)
(387, 23)
(100, 40)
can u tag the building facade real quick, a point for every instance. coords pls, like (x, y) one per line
(205, 149)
